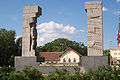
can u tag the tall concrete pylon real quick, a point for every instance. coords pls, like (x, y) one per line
(94, 28)
(29, 37)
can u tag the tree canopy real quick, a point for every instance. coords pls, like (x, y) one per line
(107, 53)
(8, 47)
(19, 46)
(62, 44)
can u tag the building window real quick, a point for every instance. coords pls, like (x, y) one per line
(111, 62)
(74, 60)
(64, 60)
(51, 62)
(115, 58)
(115, 62)
(69, 60)
(119, 54)
(115, 53)
(48, 62)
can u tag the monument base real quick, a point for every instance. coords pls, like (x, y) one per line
(21, 62)
(87, 62)
(94, 61)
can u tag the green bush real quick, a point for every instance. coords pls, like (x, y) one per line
(27, 74)
(62, 74)
(32, 74)
(78, 75)
(101, 73)
(16, 76)
(5, 72)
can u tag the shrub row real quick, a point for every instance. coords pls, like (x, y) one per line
(102, 73)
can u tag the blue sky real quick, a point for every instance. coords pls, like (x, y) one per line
(61, 19)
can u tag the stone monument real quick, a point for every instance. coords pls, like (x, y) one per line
(30, 14)
(95, 56)
(92, 61)
(28, 58)
(94, 28)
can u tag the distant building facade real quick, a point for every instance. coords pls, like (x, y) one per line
(68, 57)
(115, 56)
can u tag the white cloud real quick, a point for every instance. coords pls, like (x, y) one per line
(105, 9)
(68, 29)
(118, 0)
(82, 30)
(50, 31)
(17, 37)
(42, 39)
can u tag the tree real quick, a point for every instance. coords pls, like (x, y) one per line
(61, 44)
(107, 53)
(7, 46)
(19, 46)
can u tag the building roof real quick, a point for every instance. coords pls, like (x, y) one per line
(51, 56)
(72, 50)
(55, 56)
(115, 48)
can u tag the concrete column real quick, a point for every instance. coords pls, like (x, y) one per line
(29, 38)
(94, 28)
